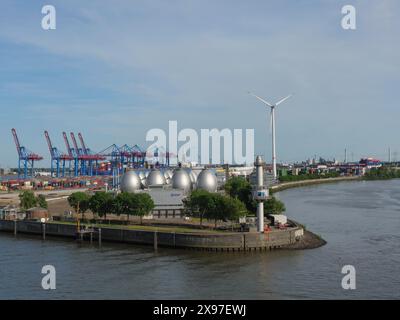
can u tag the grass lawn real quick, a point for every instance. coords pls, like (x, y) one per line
(177, 229)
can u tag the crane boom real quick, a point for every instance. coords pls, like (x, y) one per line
(51, 149)
(75, 143)
(16, 140)
(85, 150)
(67, 145)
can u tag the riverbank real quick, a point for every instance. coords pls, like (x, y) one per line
(296, 184)
(308, 241)
(221, 241)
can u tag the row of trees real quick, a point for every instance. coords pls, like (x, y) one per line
(382, 173)
(27, 200)
(308, 176)
(238, 202)
(214, 206)
(103, 203)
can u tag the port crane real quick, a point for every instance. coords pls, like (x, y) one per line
(26, 158)
(86, 155)
(72, 153)
(58, 159)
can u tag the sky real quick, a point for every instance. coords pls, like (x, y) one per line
(114, 70)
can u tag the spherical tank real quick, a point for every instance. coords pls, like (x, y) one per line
(181, 180)
(193, 176)
(168, 174)
(130, 182)
(142, 176)
(207, 181)
(155, 178)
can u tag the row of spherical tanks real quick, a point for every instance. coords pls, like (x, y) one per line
(181, 178)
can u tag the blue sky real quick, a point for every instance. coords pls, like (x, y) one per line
(114, 70)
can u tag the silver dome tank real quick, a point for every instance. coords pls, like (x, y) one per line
(142, 175)
(168, 174)
(181, 180)
(130, 182)
(155, 179)
(207, 181)
(193, 176)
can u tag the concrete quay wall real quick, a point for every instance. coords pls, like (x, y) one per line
(229, 241)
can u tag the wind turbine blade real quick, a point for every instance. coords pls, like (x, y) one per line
(261, 99)
(280, 101)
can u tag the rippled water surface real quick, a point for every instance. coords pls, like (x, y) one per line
(360, 221)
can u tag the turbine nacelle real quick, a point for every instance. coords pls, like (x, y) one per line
(271, 105)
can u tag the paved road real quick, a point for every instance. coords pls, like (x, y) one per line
(48, 193)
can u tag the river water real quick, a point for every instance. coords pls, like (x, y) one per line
(360, 221)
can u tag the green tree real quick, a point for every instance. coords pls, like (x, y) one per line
(124, 203)
(225, 208)
(41, 201)
(199, 203)
(240, 188)
(137, 204)
(234, 209)
(79, 201)
(214, 206)
(144, 204)
(274, 206)
(27, 200)
(101, 203)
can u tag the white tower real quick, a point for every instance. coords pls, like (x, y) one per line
(260, 193)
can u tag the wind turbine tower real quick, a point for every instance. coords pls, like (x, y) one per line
(272, 112)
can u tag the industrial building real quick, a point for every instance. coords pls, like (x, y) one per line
(168, 188)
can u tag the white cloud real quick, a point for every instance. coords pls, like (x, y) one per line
(194, 62)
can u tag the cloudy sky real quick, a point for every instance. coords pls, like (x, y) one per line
(114, 70)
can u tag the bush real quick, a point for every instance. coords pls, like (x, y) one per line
(382, 173)
(240, 188)
(274, 206)
(28, 200)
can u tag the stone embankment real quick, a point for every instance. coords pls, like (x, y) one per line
(302, 183)
(221, 241)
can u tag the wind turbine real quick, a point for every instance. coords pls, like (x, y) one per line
(272, 106)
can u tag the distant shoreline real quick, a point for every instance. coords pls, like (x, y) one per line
(304, 183)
